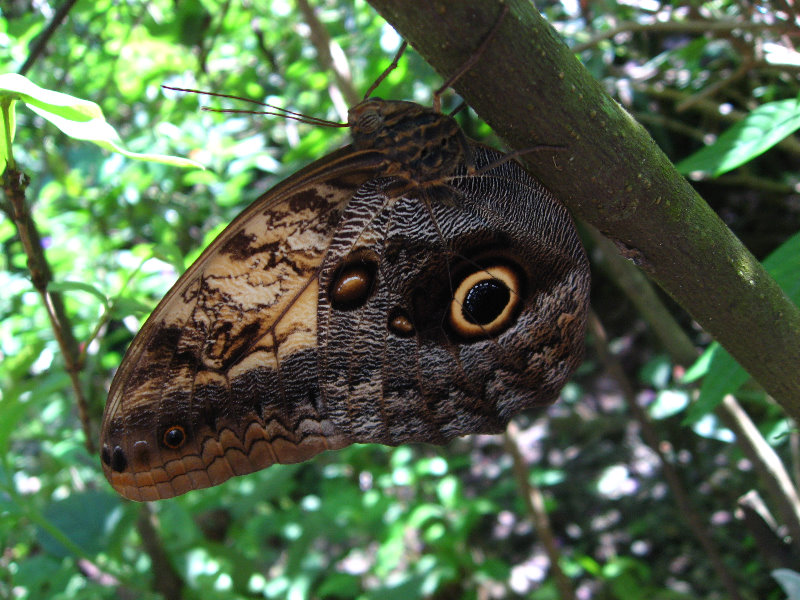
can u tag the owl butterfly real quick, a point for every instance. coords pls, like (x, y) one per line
(413, 286)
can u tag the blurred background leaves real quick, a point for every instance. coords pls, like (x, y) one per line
(463, 521)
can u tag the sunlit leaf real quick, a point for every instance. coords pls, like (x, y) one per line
(752, 136)
(789, 581)
(668, 403)
(79, 119)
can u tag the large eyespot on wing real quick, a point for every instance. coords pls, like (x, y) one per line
(486, 301)
(444, 318)
(221, 380)
(547, 336)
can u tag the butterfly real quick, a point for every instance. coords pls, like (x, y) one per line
(412, 286)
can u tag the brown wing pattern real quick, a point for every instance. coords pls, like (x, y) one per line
(191, 404)
(434, 382)
(411, 288)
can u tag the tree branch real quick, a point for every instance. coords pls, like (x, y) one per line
(532, 90)
(534, 502)
(766, 463)
(47, 33)
(680, 494)
(330, 55)
(14, 184)
(699, 27)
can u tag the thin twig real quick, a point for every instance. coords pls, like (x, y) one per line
(682, 497)
(326, 48)
(754, 514)
(765, 462)
(768, 465)
(14, 184)
(698, 27)
(44, 37)
(710, 90)
(794, 453)
(207, 41)
(166, 579)
(534, 501)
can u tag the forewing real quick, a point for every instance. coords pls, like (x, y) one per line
(221, 380)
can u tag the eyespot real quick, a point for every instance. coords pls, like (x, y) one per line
(400, 323)
(105, 455)
(485, 302)
(353, 281)
(115, 459)
(174, 437)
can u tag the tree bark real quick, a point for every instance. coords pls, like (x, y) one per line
(529, 87)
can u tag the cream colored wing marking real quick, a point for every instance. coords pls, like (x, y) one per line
(202, 393)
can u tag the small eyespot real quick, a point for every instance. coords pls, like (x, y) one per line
(485, 302)
(174, 437)
(353, 282)
(105, 455)
(400, 323)
(115, 459)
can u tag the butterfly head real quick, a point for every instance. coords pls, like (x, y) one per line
(419, 143)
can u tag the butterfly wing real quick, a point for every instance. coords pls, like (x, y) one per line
(477, 309)
(416, 291)
(221, 381)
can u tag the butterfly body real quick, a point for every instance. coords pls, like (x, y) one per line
(412, 287)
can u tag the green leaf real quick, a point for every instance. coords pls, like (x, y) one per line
(699, 369)
(70, 286)
(789, 581)
(752, 136)
(81, 519)
(723, 374)
(339, 585)
(657, 372)
(79, 119)
(12, 409)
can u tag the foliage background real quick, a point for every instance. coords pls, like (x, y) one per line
(369, 521)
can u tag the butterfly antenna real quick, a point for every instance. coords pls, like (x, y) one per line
(437, 95)
(387, 70)
(461, 106)
(278, 111)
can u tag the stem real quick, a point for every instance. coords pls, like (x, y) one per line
(5, 104)
(166, 579)
(534, 501)
(14, 184)
(682, 497)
